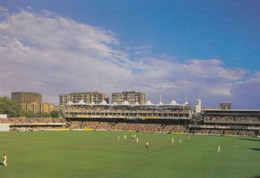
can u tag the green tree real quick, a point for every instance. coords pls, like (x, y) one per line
(54, 114)
(28, 114)
(9, 107)
(40, 114)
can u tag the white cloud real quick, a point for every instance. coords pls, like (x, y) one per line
(52, 55)
(3, 9)
(57, 52)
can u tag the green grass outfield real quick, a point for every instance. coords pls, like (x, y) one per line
(100, 154)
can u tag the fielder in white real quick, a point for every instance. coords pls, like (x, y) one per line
(218, 148)
(147, 145)
(5, 160)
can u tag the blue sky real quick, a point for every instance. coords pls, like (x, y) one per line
(200, 49)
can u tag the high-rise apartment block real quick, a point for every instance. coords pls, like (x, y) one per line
(130, 96)
(28, 100)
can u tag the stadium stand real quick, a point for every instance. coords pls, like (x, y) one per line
(150, 119)
(34, 124)
(227, 122)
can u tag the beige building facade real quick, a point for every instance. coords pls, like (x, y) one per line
(225, 105)
(48, 107)
(87, 97)
(130, 96)
(29, 101)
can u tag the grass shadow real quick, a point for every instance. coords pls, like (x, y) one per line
(250, 139)
(255, 149)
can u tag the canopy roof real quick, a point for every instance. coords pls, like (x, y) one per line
(114, 103)
(173, 102)
(92, 103)
(160, 103)
(149, 103)
(136, 104)
(186, 103)
(126, 103)
(81, 102)
(103, 103)
(69, 103)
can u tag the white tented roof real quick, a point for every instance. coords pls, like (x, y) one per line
(92, 103)
(126, 103)
(69, 103)
(103, 103)
(114, 103)
(186, 103)
(81, 102)
(136, 104)
(173, 102)
(160, 103)
(149, 103)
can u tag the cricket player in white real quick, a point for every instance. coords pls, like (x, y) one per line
(218, 148)
(147, 145)
(4, 160)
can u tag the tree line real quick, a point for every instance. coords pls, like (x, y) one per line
(14, 109)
